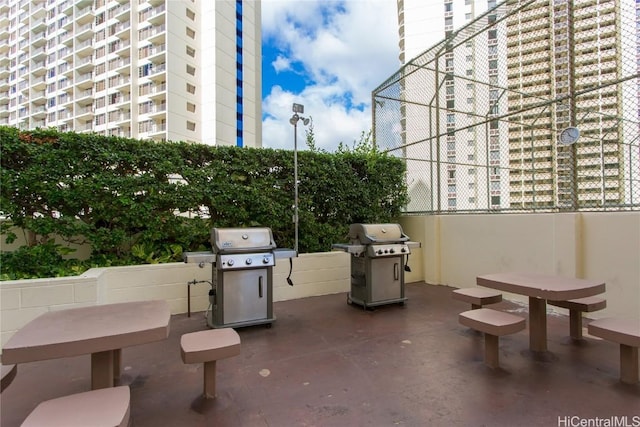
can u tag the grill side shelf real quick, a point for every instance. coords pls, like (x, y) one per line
(356, 250)
(199, 257)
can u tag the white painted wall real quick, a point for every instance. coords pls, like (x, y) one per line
(598, 246)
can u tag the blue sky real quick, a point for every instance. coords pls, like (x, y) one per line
(327, 55)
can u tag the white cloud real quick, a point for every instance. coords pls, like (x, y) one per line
(281, 64)
(346, 49)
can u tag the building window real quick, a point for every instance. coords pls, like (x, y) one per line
(191, 14)
(191, 70)
(191, 107)
(145, 70)
(191, 33)
(191, 52)
(191, 88)
(100, 85)
(495, 200)
(191, 126)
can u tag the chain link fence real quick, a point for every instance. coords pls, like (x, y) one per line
(479, 116)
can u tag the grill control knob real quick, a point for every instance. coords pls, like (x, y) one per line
(403, 250)
(379, 251)
(248, 261)
(230, 262)
(392, 251)
(265, 260)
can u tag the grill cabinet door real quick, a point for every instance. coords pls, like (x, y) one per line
(387, 275)
(245, 295)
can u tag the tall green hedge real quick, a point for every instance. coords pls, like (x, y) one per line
(141, 201)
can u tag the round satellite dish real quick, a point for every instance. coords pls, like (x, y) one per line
(569, 135)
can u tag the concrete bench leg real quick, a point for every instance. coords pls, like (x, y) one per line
(575, 324)
(102, 369)
(629, 364)
(210, 379)
(491, 350)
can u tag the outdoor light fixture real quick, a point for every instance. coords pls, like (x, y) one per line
(297, 108)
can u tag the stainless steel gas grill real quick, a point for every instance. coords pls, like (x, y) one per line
(378, 261)
(242, 275)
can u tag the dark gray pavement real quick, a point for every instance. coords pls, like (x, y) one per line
(326, 363)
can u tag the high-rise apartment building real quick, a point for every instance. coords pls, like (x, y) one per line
(516, 74)
(180, 70)
(570, 51)
(460, 100)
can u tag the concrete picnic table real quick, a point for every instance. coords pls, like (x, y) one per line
(100, 330)
(540, 288)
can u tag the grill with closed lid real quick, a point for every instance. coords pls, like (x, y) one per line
(378, 261)
(242, 268)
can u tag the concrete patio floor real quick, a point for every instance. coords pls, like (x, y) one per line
(325, 363)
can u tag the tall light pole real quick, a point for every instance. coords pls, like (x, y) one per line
(297, 109)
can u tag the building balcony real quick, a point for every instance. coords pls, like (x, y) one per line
(38, 83)
(84, 15)
(38, 96)
(38, 54)
(38, 68)
(84, 81)
(120, 12)
(82, 112)
(119, 64)
(84, 31)
(39, 112)
(38, 25)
